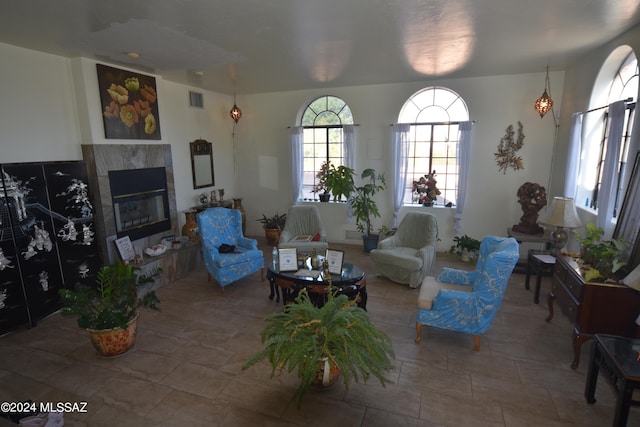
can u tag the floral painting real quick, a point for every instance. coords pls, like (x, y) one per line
(129, 104)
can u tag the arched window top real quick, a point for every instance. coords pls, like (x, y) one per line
(327, 110)
(624, 84)
(434, 104)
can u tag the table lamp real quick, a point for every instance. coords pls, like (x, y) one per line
(561, 214)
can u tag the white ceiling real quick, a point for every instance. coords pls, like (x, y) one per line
(254, 46)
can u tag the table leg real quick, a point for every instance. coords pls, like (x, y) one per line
(622, 405)
(592, 375)
(528, 275)
(536, 295)
(578, 339)
(550, 300)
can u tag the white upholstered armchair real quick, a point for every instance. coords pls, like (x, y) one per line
(304, 220)
(407, 256)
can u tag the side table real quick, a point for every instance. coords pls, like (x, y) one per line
(619, 359)
(544, 262)
(538, 239)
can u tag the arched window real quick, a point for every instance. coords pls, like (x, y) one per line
(323, 121)
(618, 80)
(434, 115)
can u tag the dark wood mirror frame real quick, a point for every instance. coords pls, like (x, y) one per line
(202, 163)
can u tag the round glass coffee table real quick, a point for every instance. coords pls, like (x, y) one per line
(349, 282)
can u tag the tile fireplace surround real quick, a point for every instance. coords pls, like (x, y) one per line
(102, 158)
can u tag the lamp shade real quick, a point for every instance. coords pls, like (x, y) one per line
(561, 213)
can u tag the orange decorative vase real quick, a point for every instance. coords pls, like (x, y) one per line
(190, 228)
(272, 235)
(116, 341)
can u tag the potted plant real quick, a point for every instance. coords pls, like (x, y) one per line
(425, 190)
(465, 247)
(315, 341)
(600, 259)
(273, 225)
(109, 310)
(321, 186)
(365, 208)
(339, 181)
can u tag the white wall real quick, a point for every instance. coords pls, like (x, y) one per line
(38, 116)
(494, 102)
(51, 105)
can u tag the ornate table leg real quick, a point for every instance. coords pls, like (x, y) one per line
(550, 300)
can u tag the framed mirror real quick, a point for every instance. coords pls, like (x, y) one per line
(202, 163)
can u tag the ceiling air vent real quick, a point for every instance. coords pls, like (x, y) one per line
(196, 100)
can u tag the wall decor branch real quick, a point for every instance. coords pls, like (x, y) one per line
(507, 156)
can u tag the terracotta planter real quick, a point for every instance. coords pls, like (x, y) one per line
(328, 375)
(115, 341)
(272, 235)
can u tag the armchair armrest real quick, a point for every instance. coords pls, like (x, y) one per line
(210, 252)
(454, 275)
(248, 243)
(388, 243)
(285, 236)
(428, 254)
(453, 298)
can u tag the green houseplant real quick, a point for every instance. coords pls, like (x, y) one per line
(110, 307)
(600, 259)
(308, 338)
(465, 247)
(365, 207)
(273, 225)
(339, 181)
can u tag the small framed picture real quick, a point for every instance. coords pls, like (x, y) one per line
(125, 248)
(334, 259)
(288, 259)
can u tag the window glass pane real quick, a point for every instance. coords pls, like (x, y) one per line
(433, 146)
(323, 138)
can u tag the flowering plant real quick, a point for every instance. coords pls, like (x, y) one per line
(425, 189)
(129, 103)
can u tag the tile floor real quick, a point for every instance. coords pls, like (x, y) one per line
(185, 368)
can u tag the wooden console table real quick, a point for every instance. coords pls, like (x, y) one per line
(593, 308)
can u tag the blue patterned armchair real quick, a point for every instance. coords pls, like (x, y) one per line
(218, 226)
(467, 301)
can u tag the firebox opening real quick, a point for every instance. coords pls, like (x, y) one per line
(140, 202)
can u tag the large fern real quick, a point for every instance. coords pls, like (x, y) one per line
(300, 335)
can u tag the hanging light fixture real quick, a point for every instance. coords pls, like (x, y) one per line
(235, 112)
(544, 103)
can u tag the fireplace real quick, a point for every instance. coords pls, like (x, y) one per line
(140, 202)
(103, 160)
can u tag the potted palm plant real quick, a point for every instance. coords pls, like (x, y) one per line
(109, 309)
(365, 207)
(273, 225)
(318, 341)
